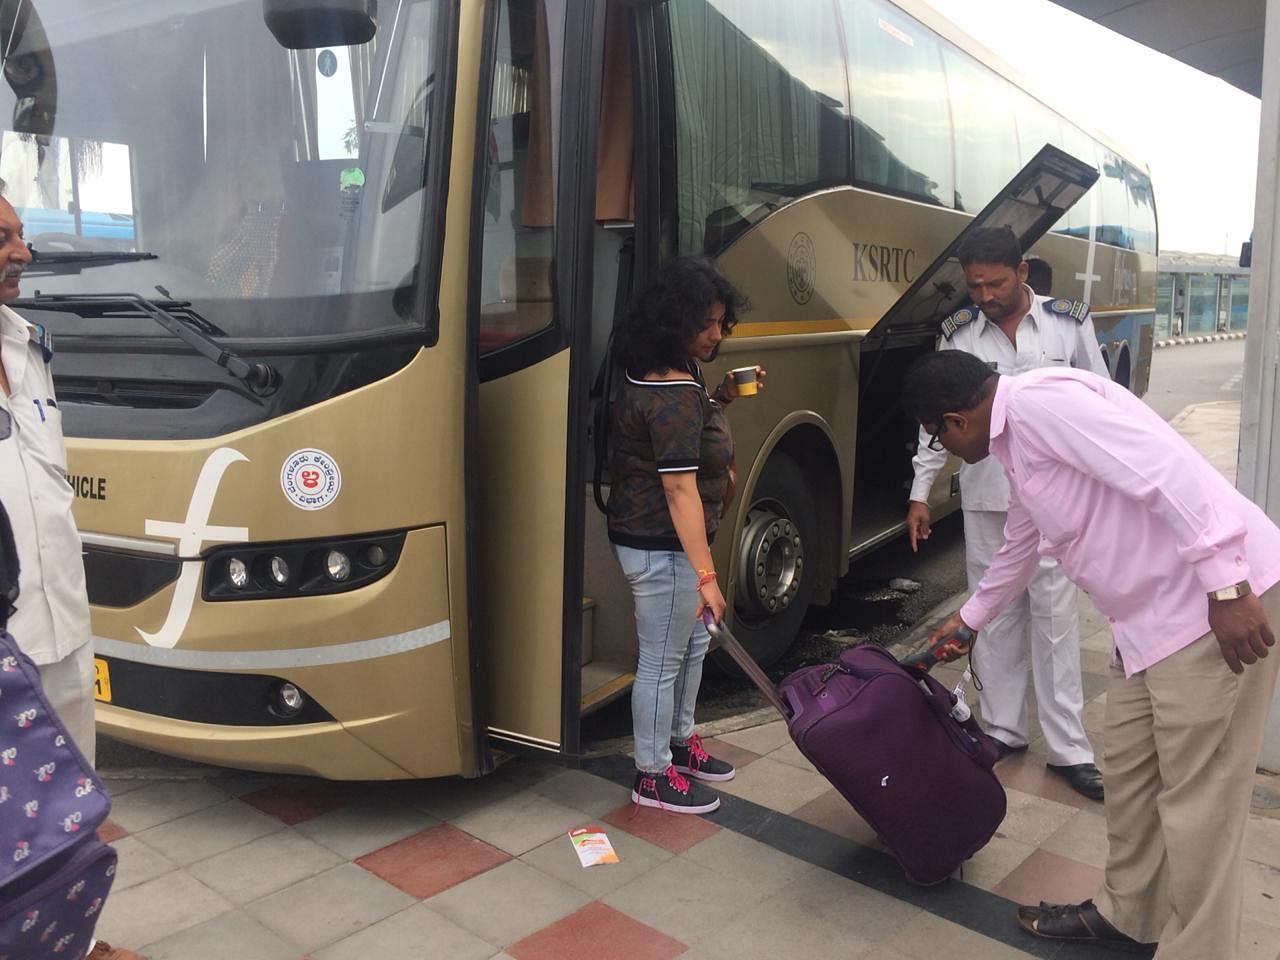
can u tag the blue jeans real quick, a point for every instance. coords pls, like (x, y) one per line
(672, 644)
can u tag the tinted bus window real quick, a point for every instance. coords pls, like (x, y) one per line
(1080, 145)
(1113, 196)
(1142, 209)
(1037, 126)
(986, 137)
(761, 103)
(901, 125)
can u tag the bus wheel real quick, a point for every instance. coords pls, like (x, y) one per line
(774, 582)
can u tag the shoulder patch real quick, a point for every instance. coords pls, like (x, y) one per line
(1078, 310)
(958, 320)
(40, 337)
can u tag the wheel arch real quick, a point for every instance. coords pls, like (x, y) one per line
(1122, 372)
(808, 440)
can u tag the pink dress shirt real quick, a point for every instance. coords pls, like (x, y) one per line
(1137, 518)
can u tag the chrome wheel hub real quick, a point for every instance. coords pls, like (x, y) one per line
(770, 562)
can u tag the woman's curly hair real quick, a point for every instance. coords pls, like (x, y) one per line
(665, 317)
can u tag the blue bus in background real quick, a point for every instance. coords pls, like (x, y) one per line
(38, 222)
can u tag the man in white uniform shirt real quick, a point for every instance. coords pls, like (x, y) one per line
(1012, 330)
(51, 624)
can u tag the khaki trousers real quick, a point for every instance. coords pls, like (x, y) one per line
(68, 686)
(1179, 753)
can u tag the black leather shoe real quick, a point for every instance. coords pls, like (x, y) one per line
(1080, 922)
(1004, 750)
(1084, 778)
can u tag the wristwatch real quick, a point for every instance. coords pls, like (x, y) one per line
(1233, 592)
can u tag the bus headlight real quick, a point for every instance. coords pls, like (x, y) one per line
(238, 573)
(299, 568)
(337, 565)
(279, 569)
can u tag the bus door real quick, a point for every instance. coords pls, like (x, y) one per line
(1030, 204)
(531, 279)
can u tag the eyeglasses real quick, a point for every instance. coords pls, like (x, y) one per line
(934, 442)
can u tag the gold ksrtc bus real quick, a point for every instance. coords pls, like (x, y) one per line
(329, 279)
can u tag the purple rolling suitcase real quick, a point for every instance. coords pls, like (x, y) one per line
(883, 734)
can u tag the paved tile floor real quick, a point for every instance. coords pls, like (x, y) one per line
(225, 865)
(228, 865)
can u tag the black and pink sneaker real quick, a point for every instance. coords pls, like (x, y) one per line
(672, 792)
(693, 759)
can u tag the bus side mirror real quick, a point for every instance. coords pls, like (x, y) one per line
(1246, 254)
(308, 24)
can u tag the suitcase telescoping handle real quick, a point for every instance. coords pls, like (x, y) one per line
(744, 660)
(950, 647)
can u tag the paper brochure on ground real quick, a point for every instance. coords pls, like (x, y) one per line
(592, 846)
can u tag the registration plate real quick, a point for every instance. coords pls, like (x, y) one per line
(101, 680)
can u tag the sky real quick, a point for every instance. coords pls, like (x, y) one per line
(1198, 135)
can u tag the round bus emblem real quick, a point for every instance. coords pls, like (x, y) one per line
(310, 479)
(802, 268)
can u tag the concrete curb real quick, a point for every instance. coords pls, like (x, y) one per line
(1204, 338)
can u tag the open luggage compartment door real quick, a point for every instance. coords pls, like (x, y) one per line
(1032, 202)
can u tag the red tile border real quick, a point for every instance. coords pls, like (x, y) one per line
(1027, 772)
(432, 860)
(296, 802)
(676, 832)
(597, 932)
(1050, 877)
(110, 831)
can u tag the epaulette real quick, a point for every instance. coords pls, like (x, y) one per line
(1076, 309)
(39, 335)
(958, 320)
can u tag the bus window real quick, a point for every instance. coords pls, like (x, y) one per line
(762, 111)
(1037, 126)
(1079, 218)
(518, 215)
(1113, 226)
(901, 125)
(983, 118)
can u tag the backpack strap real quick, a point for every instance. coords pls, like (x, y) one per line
(9, 569)
(602, 387)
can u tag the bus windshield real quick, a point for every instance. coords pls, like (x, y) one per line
(281, 191)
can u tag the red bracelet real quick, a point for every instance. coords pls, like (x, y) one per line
(706, 578)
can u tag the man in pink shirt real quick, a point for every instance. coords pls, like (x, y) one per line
(1184, 568)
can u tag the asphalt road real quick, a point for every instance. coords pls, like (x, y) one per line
(1195, 373)
(865, 607)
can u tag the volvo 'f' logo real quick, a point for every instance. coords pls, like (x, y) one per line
(191, 535)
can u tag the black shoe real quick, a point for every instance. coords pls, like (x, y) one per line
(671, 791)
(1079, 922)
(693, 759)
(1004, 750)
(1084, 778)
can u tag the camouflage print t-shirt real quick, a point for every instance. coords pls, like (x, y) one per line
(664, 426)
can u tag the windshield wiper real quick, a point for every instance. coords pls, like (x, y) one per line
(73, 261)
(259, 377)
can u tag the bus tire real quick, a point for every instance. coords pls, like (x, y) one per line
(777, 560)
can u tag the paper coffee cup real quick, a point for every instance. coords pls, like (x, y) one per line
(744, 379)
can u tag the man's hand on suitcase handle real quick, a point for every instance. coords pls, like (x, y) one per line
(952, 640)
